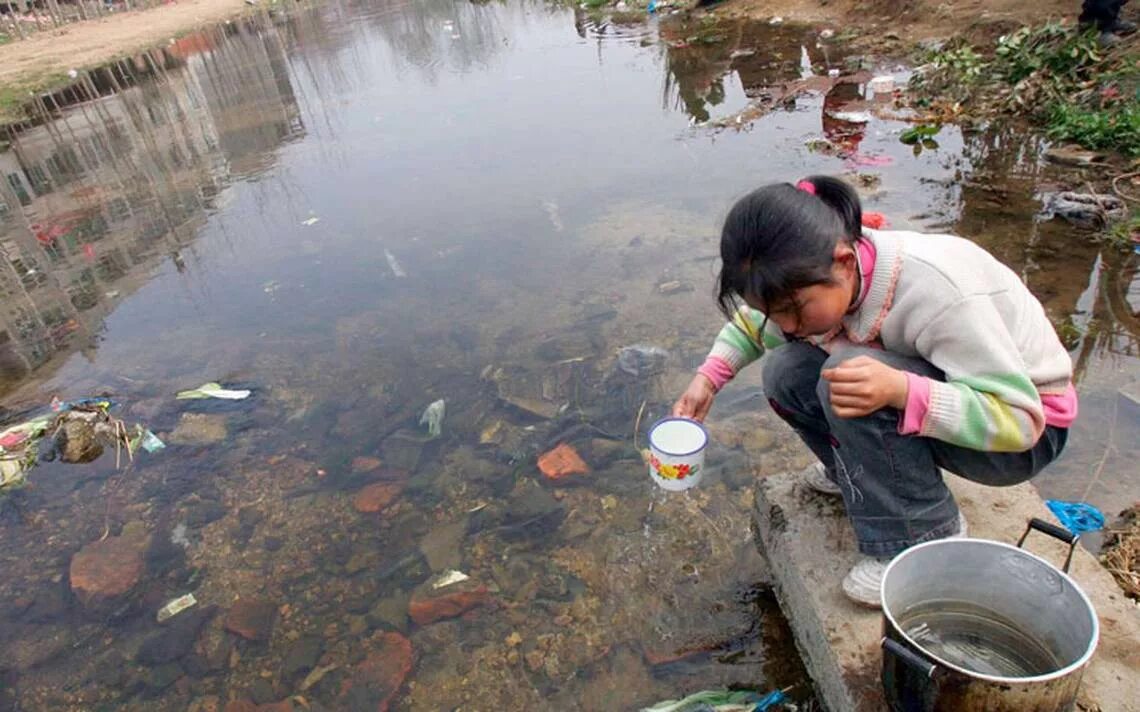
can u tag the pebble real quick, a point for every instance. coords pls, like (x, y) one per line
(252, 619)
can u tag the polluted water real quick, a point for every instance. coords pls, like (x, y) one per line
(153, 239)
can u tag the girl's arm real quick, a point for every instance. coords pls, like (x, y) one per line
(739, 343)
(988, 401)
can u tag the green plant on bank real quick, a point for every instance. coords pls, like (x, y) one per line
(1052, 48)
(1115, 127)
(1126, 233)
(963, 63)
(1059, 78)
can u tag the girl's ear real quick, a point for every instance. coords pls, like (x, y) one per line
(843, 254)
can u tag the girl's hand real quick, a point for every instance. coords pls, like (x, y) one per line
(696, 400)
(863, 385)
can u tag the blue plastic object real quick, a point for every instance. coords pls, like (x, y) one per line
(772, 698)
(1077, 517)
(652, 7)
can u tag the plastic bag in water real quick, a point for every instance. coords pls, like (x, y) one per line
(642, 361)
(433, 418)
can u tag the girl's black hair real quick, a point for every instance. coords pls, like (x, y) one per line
(781, 238)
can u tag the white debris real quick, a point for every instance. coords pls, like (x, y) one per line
(448, 578)
(394, 264)
(176, 606)
(433, 418)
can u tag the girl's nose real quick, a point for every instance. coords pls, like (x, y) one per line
(787, 324)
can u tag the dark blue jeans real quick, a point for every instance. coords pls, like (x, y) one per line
(891, 483)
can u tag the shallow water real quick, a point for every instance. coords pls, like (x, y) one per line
(360, 209)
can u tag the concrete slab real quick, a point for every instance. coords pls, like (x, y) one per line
(810, 547)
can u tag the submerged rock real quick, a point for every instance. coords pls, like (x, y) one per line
(376, 497)
(174, 640)
(403, 449)
(533, 513)
(441, 546)
(204, 512)
(430, 604)
(365, 464)
(103, 572)
(391, 612)
(561, 462)
(252, 619)
(199, 429)
(373, 682)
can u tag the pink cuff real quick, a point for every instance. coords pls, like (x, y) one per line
(1060, 409)
(717, 370)
(917, 403)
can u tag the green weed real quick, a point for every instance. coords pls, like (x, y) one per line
(1115, 128)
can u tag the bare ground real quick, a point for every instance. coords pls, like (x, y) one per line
(88, 44)
(913, 19)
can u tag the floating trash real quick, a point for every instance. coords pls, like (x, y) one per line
(213, 390)
(721, 700)
(311, 221)
(433, 418)
(176, 606)
(1077, 517)
(448, 578)
(394, 264)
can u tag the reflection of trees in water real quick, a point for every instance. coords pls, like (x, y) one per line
(428, 34)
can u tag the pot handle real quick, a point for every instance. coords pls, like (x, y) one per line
(909, 658)
(1054, 531)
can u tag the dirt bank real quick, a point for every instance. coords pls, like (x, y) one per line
(915, 19)
(52, 53)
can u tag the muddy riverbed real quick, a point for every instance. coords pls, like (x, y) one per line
(357, 210)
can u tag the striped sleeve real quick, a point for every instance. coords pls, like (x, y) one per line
(743, 340)
(988, 401)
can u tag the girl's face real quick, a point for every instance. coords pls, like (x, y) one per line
(816, 310)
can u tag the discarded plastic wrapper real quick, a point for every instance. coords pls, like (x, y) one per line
(722, 701)
(213, 390)
(394, 264)
(15, 436)
(447, 578)
(1077, 517)
(11, 472)
(176, 606)
(311, 221)
(433, 418)
(60, 406)
(146, 440)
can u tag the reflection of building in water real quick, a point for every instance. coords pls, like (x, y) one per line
(121, 171)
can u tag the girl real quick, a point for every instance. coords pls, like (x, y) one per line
(898, 354)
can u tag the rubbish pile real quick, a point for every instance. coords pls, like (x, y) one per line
(80, 431)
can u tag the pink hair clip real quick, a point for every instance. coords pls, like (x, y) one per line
(806, 186)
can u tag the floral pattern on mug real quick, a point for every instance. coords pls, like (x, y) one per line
(672, 472)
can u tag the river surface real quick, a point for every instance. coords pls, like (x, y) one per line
(356, 210)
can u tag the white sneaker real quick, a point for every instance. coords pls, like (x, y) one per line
(815, 477)
(963, 529)
(863, 582)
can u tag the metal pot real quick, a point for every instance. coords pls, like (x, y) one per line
(970, 624)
